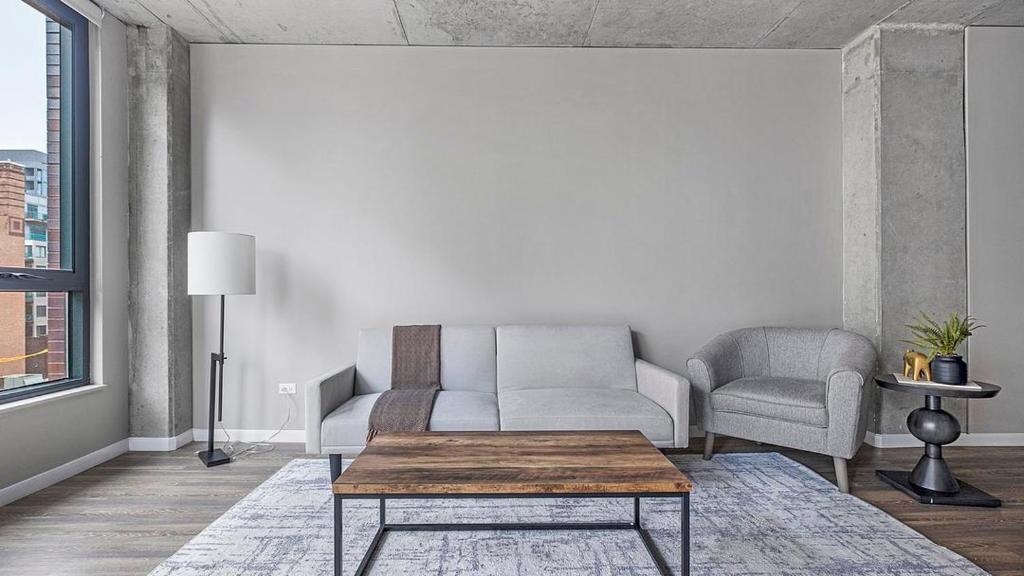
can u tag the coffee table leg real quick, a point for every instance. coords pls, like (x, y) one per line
(684, 537)
(337, 534)
(636, 512)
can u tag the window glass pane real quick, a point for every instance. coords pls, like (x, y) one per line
(33, 331)
(44, 152)
(35, 137)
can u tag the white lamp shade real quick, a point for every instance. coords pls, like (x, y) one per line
(221, 263)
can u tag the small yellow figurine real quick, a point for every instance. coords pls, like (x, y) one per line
(914, 363)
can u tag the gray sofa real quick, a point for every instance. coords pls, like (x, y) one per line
(510, 378)
(805, 389)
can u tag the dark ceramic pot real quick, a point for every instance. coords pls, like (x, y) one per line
(949, 370)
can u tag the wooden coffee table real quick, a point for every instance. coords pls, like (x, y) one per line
(424, 465)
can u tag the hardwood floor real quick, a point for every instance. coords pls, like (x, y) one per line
(126, 516)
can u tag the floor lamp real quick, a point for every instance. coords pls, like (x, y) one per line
(219, 263)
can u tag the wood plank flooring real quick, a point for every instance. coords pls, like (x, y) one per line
(126, 516)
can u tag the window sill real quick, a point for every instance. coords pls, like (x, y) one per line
(47, 398)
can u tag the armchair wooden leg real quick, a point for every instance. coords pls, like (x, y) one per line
(709, 445)
(841, 478)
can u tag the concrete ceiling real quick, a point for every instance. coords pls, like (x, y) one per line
(668, 23)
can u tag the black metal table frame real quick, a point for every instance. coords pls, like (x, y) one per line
(383, 527)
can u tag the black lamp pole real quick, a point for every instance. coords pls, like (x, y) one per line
(215, 456)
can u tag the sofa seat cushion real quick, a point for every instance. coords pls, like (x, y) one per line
(453, 410)
(463, 410)
(584, 409)
(787, 399)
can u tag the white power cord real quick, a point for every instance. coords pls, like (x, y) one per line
(237, 449)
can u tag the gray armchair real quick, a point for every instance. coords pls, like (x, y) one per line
(799, 388)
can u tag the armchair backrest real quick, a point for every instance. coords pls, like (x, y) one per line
(806, 353)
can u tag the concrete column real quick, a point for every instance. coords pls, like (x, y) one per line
(159, 116)
(904, 191)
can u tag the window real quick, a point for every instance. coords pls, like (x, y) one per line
(44, 195)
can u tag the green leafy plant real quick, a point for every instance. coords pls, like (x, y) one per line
(941, 339)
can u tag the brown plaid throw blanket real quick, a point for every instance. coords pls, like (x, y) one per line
(415, 380)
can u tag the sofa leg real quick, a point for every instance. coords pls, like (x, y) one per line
(709, 445)
(841, 478)
(335, 465)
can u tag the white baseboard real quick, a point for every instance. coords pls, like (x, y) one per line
(976, 439)
(157, 444)
(243, 435)
(62, 472)
(199, 435)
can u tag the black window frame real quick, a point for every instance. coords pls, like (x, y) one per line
(75, 192)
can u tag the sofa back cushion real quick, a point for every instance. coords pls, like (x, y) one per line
(535, 357)
(467, 359)
(373, 361)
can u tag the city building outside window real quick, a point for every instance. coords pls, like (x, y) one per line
(44, 193)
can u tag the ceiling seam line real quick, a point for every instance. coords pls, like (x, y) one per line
(979, 15)
(401, 23)
(153, 14)
(593, 16)
(220, 32)
(220, 25)
(893, 13)
(779, 23)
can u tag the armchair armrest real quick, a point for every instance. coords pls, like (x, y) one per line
(847, 361)
(719, 362)
(670, 391)
(846, 400)
(324, 394)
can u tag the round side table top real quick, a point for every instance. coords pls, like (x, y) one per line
(946, 391)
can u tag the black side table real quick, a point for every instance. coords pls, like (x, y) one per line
(931, 482)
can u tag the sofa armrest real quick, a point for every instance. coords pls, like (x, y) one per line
(670, 391)
(323, 395)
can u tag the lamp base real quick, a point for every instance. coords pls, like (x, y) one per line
(214, 458)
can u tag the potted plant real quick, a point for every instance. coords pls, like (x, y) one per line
(942, 342)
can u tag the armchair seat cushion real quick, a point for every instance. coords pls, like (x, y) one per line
(788, 399)
(584, 409)
(453, 410)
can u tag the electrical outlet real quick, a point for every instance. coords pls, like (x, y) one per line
(286, 388)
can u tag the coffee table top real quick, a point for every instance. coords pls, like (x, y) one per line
(510, 464)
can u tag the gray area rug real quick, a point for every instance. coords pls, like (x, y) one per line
(752, 514)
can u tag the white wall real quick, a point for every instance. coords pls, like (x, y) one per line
(995, 222)
(40, 437)
(684, 192)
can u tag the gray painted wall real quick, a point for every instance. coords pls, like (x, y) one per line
(37, 438)
(682, 192)
(995, 193)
